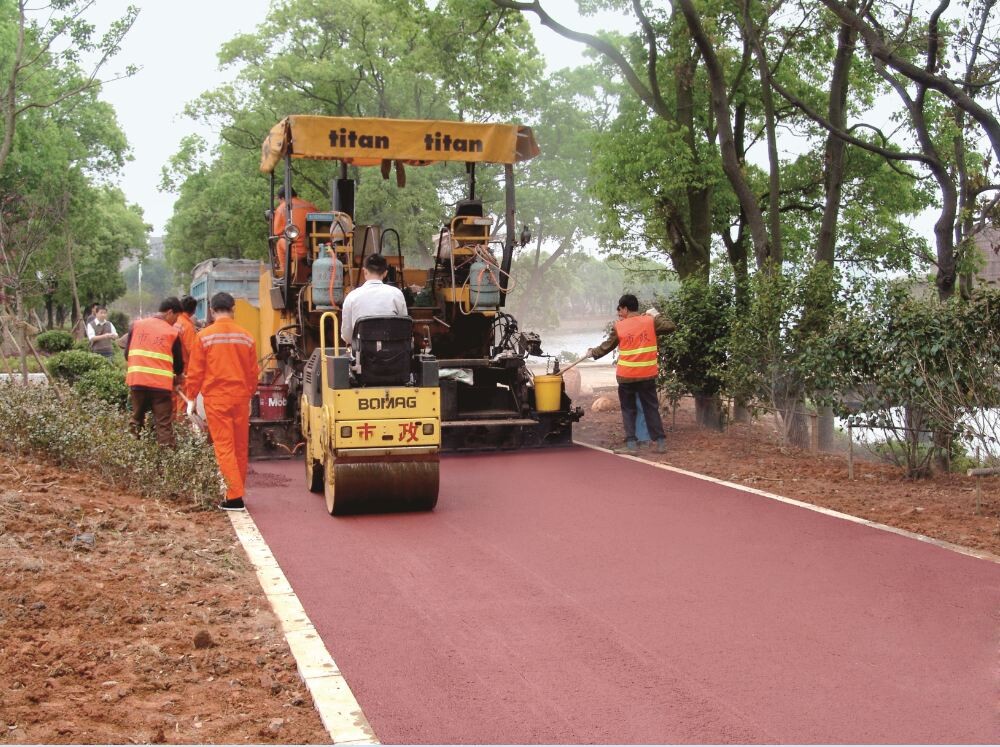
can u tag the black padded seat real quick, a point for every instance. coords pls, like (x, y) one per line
(383, 349)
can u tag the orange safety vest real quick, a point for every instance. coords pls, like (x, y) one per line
(150, 354)
(636, 348)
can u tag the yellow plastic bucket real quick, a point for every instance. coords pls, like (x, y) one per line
(548, 392)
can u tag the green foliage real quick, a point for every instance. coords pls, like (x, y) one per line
(692, 357)
(120, 320)
(56, 204)
(106, 383)
(70, 365)
(455, 59)
(770, 333)
(92, 434)
(13, 363)
(54, 341)
(916, 370)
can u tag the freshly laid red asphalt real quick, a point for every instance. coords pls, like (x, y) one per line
(572, 596)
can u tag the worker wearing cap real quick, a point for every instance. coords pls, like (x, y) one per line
(372, 298)
(224, 371)
(300, 209)
(187, 333)
(154, 358)
(635, 336)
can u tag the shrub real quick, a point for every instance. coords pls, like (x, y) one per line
(70, 365)
(55, 341)
(13, 363)
(91, 434)
(106, 384)
(83, 345)
(121, 321)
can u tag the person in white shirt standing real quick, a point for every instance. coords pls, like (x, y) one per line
(102, 334)
(373, 298)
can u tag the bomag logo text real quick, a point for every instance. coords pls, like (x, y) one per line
(386, 403)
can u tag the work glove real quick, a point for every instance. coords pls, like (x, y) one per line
(652, 312)
(190, 407)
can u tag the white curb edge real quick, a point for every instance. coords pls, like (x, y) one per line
(981, 554)
(337, 707)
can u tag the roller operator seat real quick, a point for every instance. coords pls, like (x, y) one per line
(383, 350)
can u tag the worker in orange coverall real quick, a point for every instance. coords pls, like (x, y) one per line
(300, 209)
(224, 370)
(188, 334)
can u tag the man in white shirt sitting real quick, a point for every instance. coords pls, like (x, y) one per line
(373, 298)
(102, 334)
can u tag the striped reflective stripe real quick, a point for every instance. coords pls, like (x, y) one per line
(148, 370)
(151, 354)
(636, 351)
(636, 364)
(222, 338)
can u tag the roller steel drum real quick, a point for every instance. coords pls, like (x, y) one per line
(395, 483)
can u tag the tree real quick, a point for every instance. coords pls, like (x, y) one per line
(36, 33)
(356, 58)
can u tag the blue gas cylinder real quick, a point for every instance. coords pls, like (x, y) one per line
(327, 280)
(484, 293)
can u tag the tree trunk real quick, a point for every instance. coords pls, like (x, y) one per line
(833, 183)
(727, 146)
(708, 411)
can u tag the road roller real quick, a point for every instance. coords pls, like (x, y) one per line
(371, 420)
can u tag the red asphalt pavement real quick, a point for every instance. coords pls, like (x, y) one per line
(572, 596)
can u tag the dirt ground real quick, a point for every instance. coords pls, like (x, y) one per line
(132, 621)
(125, 621)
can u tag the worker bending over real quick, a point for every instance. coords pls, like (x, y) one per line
(154, 357)
(300, 209)
(224, 371)
(187, 333)
(634, 335)
(372, 298)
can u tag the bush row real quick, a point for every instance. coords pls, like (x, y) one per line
(73, 428)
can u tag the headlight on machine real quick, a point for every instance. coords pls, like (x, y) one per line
(428, 429)
(345, 431)
(291, 232)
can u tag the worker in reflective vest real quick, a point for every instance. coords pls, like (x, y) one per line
(224, 371)
(154, 358)
(634, 335)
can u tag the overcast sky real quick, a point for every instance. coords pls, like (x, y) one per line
(175, 42)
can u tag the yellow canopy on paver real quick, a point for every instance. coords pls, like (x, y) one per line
(372, 142)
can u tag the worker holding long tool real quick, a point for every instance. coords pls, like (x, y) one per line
(634, 335)
(224, 371)
(187, 333)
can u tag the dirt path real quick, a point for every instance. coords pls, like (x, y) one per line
(130, 621)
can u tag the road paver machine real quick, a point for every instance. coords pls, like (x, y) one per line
(463, 358)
